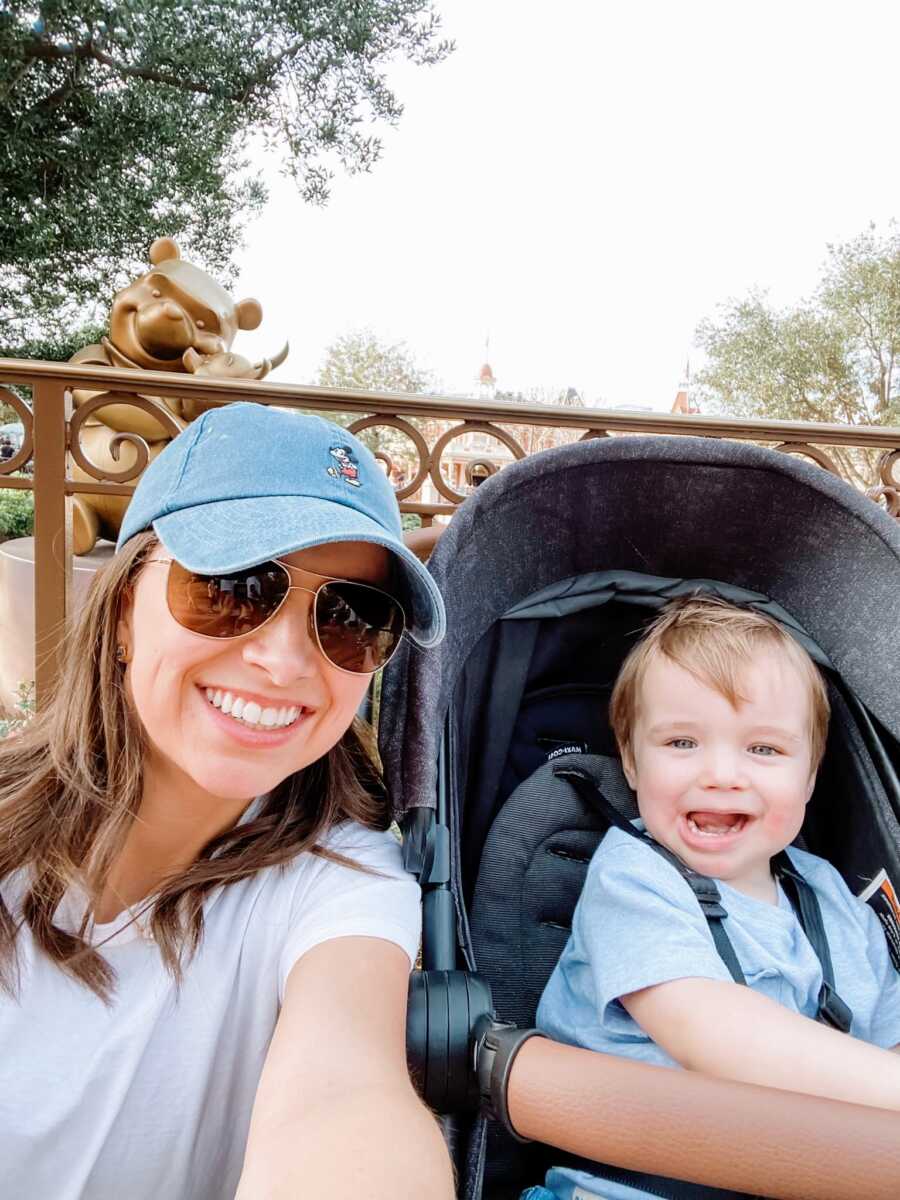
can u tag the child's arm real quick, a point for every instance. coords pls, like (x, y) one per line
(729, 1031)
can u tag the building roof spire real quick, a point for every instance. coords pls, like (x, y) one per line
(486, 379)
(683, 402)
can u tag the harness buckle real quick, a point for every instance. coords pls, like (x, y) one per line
(833, 1011)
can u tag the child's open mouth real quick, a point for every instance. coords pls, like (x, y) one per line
(713, 825)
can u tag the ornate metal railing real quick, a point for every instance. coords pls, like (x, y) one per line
(428, 429)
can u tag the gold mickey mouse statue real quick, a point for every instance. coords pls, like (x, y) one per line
(175, 318)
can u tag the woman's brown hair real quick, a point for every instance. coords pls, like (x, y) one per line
(71, 784)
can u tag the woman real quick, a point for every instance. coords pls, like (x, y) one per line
(204, 916)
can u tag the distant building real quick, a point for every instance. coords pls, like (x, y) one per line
(683, 402)
(487, 384)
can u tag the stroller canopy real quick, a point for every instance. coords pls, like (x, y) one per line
(671, 508)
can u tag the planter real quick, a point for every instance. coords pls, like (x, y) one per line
(17, 607)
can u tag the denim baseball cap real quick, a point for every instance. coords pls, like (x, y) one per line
(245, 483)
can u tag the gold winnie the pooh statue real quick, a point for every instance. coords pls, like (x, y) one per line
(173, 318)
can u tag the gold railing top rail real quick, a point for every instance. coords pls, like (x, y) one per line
(163, 383)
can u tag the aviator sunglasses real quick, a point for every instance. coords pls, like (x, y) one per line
(357, 627)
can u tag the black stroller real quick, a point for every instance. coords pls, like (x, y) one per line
(548, 573)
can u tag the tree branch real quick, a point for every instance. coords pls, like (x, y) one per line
(153, 76)
(50, 52)
(268, 65)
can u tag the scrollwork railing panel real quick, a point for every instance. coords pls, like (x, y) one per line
(96, 465)
(21, 457)
(415, 437)
(81, 426)
(815, 453)
(457, 431)
(423, 458)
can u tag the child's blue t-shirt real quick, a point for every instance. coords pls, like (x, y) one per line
(638, 923)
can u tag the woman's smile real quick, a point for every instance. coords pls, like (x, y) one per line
(244, 717)
(253, 709)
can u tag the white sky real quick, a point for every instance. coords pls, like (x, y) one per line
(584, 181)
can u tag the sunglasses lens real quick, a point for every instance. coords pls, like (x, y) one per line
(227, 605)
(359, 627)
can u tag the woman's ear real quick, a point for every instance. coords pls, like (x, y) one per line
(124, 635)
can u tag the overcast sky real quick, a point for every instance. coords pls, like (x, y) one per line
(583, 181)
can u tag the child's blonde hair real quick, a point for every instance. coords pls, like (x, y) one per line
(714, 640)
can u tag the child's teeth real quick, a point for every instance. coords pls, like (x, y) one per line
(268, 717)
(237, 709)
(227, 702)
(251, 712)
(711, 825)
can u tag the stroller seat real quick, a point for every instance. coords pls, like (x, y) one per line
(533, 868)
(532, 872)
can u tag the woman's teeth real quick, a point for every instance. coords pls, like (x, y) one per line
(250, 712)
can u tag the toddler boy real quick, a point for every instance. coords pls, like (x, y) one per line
(721, 719)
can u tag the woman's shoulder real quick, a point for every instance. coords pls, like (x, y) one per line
(373, 849)
(356, 885)
(347, 835)
(347, 855)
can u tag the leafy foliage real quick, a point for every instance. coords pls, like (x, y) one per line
(360, 360)
(57, 345)
(833, 358)
(790, 365)
(23, 711)
(16, 513)
(533, 438)
(122, 121)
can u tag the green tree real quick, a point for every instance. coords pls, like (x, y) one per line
(359, 360)
(122, 121)
(831, 358)
(861, 290)
(785, 365)
(57, 346)
(533, 438)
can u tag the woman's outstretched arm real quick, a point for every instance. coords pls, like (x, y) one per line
(335, 1113)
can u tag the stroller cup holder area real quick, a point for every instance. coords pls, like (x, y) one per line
(447, 1014)
(446, 1006)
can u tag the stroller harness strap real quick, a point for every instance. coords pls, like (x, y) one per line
(832, 1010)
(805, 903)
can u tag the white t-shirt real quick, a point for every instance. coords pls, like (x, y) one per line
(149, 1098)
